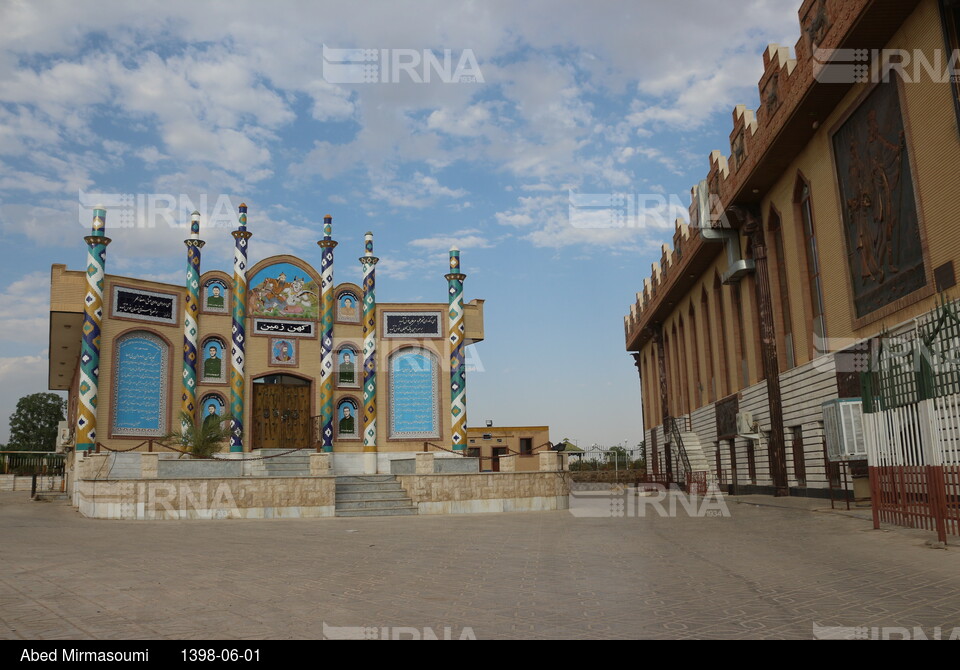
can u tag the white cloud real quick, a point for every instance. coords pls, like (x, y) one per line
(462, 239)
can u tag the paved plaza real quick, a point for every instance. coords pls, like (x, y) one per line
(770, 570)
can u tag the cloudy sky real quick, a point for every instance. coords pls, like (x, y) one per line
(497, 113)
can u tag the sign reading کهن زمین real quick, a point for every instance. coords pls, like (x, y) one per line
(280, 327)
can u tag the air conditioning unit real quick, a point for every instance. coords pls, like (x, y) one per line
(747, 427)
(843, 429)
(64, 436)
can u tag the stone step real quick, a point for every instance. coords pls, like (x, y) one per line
(381, 511)
(371, 495)
(364, 479)
(373, 504)
(364, 488)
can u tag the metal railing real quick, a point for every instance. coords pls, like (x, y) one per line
(673, 427)
(31, 462)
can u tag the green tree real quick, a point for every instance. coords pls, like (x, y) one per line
(33, 425)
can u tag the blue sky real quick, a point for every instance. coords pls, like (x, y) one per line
(229, 102)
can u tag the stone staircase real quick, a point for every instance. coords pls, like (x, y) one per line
(698, 460)
(372, 495)
(296, 464)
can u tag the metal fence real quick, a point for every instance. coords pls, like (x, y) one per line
(911, 401)
(31, 463)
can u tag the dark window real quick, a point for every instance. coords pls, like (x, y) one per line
(813, 272)
(799, 465)
(526, 446)
(786, 319)
(751, 462)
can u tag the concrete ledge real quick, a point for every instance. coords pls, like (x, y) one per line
(25, 482)
(485, 486)
(493, 506)
(189, 468)
(208, 498)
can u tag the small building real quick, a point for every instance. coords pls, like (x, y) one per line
(490, 444)
(287, 356)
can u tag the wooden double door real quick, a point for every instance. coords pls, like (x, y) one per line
(281, 415)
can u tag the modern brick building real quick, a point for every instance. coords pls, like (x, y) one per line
(832, 221)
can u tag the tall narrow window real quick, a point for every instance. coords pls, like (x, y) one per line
(708, 338)
(721, 312)
(751, 462)
(786, 319)
(818, 325)
(741, 341)
(684, 369)
(696, 381)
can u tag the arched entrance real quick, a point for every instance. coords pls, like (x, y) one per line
(281, 412)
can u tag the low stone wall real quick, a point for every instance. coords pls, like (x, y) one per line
(25, 482)
(202, 498)
(487, 492)
(425, 462)
(194, 468)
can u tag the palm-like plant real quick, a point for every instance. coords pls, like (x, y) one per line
(200, 438)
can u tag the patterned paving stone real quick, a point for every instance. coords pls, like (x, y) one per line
(764, 572)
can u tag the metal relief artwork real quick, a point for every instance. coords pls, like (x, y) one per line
(412, 324)
(141, 367)
(881, 227)
(414, 401)
(143, 305)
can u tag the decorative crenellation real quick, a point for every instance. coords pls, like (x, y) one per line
(784, 83)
